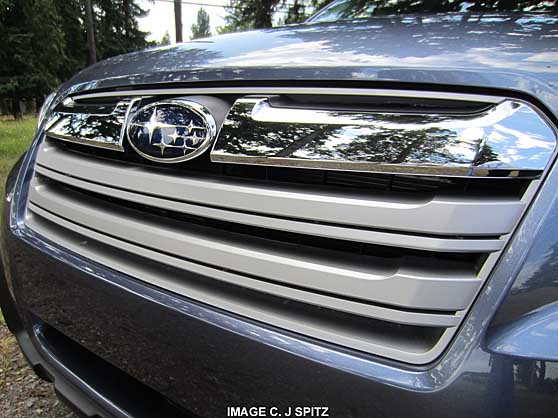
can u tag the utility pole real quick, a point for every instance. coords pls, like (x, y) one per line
(178, 20)
(91, 49)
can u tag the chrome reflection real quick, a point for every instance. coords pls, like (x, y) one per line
(171, 130)
(104, 130)
(507, 139)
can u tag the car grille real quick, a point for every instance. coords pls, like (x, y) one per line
(385, 264)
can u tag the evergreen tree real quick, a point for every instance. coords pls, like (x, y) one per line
(201, 29)
(319, 4)
(249, 14)
(32, 54)
(233, 20)
(116, 27)
(71, 14)
(165, 40)
(43, 42)
(255, 14)
(296, 13)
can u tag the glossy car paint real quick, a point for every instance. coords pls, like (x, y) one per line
(205, 359)
(529, 336)
(467, 51)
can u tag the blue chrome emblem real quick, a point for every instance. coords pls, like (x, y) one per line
(171, 131)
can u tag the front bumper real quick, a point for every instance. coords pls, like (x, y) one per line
(115, 346)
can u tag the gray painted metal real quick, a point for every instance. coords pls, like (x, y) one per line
(504, 51)
(436, 216)
(183, 287)
(524, 65)
(397, 285)
(346, 233)
(532, 335)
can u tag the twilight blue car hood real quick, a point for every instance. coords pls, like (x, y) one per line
(514, 52)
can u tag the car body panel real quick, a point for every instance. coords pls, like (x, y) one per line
(213, 359)
(205, 359)
(486, 51)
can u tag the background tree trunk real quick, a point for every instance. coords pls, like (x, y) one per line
(178, 20)
(300, 143)
(16, 108)
(91, 48)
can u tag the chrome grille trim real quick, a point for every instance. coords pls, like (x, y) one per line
(486, 143)
(417, 94)
(448, 151)
(76, 126)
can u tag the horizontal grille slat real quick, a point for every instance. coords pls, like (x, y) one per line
(372, 337)
(314, 229)
(385, 281)
(398, 316)
(434, 215)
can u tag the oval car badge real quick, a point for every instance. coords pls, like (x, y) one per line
(171, 131)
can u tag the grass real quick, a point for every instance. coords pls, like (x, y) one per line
(15, 137)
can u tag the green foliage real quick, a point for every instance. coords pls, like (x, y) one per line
(116, 27)
(201, 29)
(301, 10)
(234, 20)
(15, 136)
(366, 8)
(296, 13)
(249, 14)
(319, 4)
(165, 40)
(32, 53)
(71, 24)
(44, 41)
(256, 14)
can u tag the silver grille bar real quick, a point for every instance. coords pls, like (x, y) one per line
(431, 216)
(412, 350)
(329, 91)
(343, 305)
(393, 285)
(314, 229)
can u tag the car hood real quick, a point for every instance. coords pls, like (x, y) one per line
(516, 52)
